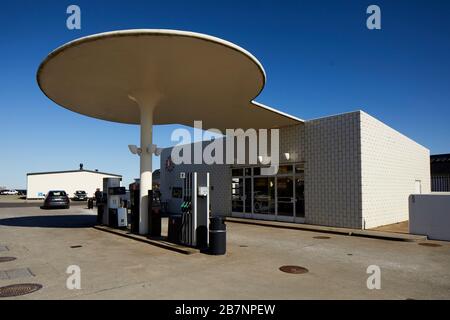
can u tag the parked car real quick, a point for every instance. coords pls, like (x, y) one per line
(9, 192)
(80, 195)
(56, 199)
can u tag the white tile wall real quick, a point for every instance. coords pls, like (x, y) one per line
(391, 164)
(332, 171)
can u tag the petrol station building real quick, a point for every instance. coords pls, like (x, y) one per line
(348, 170)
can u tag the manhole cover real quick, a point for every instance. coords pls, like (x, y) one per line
(294, 269)
(6, 259)
(321, 237)
(426, 244)
(19, 289)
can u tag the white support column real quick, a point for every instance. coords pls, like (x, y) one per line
(146, 166)
(194, 208)
(147, 102)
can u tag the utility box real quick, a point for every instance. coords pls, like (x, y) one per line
(122, 221)
(429, 214)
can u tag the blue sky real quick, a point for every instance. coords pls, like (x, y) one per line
(319, 57)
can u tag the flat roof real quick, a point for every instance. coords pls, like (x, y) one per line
(192, 75)
(74, 171)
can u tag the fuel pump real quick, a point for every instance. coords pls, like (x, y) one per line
(114, 214)
(195, 209)
(134, 206)
(117, 212)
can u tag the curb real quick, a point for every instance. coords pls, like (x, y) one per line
(157, 242)
(324, 229)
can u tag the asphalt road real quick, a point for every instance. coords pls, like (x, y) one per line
(17, 204)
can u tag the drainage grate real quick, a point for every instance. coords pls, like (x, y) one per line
(243, 246)
(321, 237)
(294, 269)
(427, 244)
(6, 259)
(75, 247)
(19, 289)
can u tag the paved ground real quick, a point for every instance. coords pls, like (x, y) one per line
(116, 267)
(401, 227)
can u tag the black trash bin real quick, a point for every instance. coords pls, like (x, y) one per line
(154, 220)
(174, 229)
(217, 236)
(113, 218)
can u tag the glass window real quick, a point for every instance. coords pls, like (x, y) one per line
(285, 190)
(237, 172)
(257, 171)
(248, 195)
(299, 168)
(285, 169)
(264, 195)
(248, 171)
(237, 191)
(299, 198)
(57, 193)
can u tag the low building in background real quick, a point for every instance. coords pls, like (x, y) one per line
(440, 172)
(39, 183)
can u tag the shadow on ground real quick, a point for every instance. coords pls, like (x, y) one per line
(62, 221)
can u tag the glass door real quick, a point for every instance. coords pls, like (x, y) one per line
(299, 194)
(248, 197)
(264, 197)
(280, 197)
(285, 198)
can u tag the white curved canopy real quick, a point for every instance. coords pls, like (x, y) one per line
(194, 76)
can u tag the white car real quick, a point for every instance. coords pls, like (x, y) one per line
(10, 192)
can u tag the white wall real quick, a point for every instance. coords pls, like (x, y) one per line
(430, 215)
(333, 171)
(391, 163)
(67, 181)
